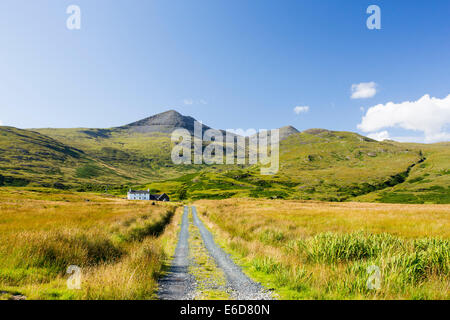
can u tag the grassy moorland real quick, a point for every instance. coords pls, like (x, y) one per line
(328, 165)
(143, 156)
(427, 182)
(84, 159)
(316, 250)
(120, 245)
(315, 164)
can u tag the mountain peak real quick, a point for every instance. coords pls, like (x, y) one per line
(170, 117)
(164, 122)
(171, 112)
(286, 131)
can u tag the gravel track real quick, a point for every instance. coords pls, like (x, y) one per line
(239, 286)
(179, 284)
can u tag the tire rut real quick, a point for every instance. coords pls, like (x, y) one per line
(240, 286)
(179, 284)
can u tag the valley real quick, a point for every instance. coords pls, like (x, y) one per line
(340, 204)
(315, 164)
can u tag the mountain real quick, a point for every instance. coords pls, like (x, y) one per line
(284, 132)
(287, 131)
(142, 149)
(164, 122)
(28, 157)
(314, 164)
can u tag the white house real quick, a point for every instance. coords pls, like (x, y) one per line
(138, 195)
(145, 195)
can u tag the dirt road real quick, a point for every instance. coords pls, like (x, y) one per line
(181, 284)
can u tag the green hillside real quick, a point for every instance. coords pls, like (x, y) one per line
(144, 156)
(428, 182)
(338, 165)
(315, 164)
(31, 158)
(142, 149)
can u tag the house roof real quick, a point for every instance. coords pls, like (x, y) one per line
(138, 191)
(152, 196)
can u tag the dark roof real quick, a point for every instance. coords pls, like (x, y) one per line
(138, 191)
(158, 196)
(161, 196)
(152, 196)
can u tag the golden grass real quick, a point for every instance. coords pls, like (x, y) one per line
(119, 244)
(306, 218)
(313, 250)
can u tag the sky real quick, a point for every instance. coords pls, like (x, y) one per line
(231, 64)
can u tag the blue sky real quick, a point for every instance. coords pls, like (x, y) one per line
(232, 64)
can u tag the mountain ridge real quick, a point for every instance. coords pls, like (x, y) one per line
(315, 164)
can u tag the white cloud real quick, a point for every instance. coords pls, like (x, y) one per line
(1, 123)
(364, 90)
(379, 136)
(188, 101)
(428, 115)
(301, 109)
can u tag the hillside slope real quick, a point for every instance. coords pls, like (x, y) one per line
(428, 182)
(28, 157)
(144, 156)
(142, 148)
(315, 164)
